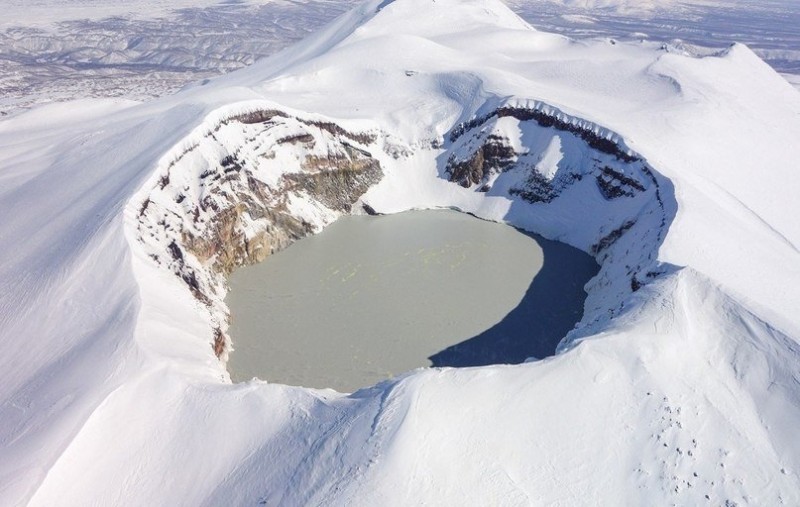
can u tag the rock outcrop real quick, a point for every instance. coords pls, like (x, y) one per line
(493, 155)
(481, 149)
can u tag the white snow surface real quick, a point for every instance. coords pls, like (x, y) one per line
(685, 392)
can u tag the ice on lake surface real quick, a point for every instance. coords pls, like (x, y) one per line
(373, 297)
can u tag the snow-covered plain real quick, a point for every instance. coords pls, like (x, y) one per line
(768, 27)
(140, 50)
(681, 385)
(61, 50)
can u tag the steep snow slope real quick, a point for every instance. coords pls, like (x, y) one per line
(679, 386)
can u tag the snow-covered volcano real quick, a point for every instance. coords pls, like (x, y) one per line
(681, 385)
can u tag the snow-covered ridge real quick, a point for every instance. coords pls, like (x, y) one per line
(549, 115)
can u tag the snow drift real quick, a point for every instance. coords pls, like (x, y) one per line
(679, 385)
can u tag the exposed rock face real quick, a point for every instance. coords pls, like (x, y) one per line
(609, 239)
(546, 119)
(538, 188)
(614, 184)
(338, 181)
(481, 150)
(493, 156)
(250, 187)
(226, 245)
